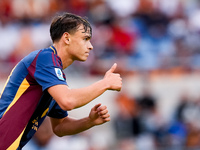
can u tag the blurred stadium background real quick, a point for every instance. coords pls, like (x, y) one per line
(157, 48)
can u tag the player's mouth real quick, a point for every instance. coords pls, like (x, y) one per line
(87, 54)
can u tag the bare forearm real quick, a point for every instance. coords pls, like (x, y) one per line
(85, 95)
(72, 126)
(69, 99)
(69, 126)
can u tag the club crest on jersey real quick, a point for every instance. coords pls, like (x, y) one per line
(59, 73)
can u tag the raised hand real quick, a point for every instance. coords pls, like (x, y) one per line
(113, 80)
(99, 115)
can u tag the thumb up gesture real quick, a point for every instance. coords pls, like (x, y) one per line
(113, 80)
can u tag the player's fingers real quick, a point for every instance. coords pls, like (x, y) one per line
(96, 107)
(105, 116)
(103, 112)
(101, 108)
(112, 69)
(107, 119)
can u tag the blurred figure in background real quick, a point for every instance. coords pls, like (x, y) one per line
(126, 122)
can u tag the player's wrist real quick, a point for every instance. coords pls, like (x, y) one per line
(105, 84)
(90, 122)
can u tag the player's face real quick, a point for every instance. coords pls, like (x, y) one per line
(80, 45)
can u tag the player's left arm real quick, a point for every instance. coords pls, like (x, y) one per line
(69, 126)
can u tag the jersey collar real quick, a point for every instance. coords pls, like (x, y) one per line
(54, 49)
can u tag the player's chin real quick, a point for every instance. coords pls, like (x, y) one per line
(83, 59)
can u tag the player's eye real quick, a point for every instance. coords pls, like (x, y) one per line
(87, 38)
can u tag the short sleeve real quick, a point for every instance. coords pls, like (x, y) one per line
(57, 112)
(48, 72)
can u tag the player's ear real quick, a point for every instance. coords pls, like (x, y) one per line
(65, 37)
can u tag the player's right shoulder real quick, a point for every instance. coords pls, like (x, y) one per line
(27, 60)
(46, 53)
(40, 57)
(46, 56)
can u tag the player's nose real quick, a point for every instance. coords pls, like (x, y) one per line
(90, 47)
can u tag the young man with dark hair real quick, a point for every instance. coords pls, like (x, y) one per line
(37, 87)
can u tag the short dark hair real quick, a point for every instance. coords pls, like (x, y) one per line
(67, 22)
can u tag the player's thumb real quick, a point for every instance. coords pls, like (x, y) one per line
(112, 69)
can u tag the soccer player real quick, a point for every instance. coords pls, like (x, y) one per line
(37, 87)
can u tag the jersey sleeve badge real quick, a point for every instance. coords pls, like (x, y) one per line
(59, 74)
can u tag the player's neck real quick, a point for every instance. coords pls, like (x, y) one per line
(62, 53)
